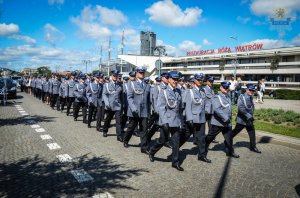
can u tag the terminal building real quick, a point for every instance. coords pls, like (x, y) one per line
(249, 62)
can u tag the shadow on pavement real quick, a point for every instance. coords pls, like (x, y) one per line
(265, 139)
(22, 120)
(297, 188)
(34, 177)
(220, 189)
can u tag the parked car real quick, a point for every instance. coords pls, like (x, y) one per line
(11, 87)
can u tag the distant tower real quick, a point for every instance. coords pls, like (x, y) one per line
(148, 43)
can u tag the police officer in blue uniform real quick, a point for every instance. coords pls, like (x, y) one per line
(93, 91)
(45, 87)
(70, 91)
(100, 104)
(221, 119)
(112, 97)
(170, 119)
(195, 115)
(125, 102)
(63, 92)
(244, 118)
(55, 92)
(138, 97)
(80, 98)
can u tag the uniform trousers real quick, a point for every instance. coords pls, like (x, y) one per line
(109, 116)
(92, 110)
(99, 117)
(77, 106)
(44, 96)
(70, 101)
(164, 137)
(63, 101)
(152, 125)
(55, 101)
(227, 133)
(208, 120)
(133, 122)
(251, 132)
(124, 118)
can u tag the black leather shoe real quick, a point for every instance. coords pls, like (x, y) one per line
(125, 144)
(255, 150)
(195, 143)
(178, 167)
(204, 159)
(67, 114)
(75, 119)
(233, 155)
(84, 121)
(89, 126)
(168, 144)
(151, 157)
(120, 139)
(104, 134)
(145, 151)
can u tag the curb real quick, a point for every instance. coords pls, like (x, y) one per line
(263, 137)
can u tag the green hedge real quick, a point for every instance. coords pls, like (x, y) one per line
(287, 94)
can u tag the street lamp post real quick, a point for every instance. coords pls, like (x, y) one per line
(86, 62)
(159, 50)
(235, 62)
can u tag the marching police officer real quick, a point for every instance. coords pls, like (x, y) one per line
(125, 102)
(55, 92)
(63, 92)
(112, 97)
(195, 115)
(138, 97)
(70, 91)
(93, 91)
(45, 88)
(80, 98)
(244, 118)
(39, 87)
(170, 119)
(221, 119)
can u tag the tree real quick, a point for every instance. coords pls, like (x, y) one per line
(45, 71)
(222, 64)
(274, 62)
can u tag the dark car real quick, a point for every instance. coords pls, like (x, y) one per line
(11, 87)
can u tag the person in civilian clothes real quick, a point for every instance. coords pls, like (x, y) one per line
(170, 119)
(138, 97)
(80, 98)
(112, 97)
(244, 118)
(221, 119)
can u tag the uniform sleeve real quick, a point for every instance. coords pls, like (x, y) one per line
(188, 105)
(130, 98)
(162, 107)
(104, 95)
(242, 108)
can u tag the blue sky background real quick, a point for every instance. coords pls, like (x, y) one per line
(34, 33)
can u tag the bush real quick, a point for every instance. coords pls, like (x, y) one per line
(287, 94)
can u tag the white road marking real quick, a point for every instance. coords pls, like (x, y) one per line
(34, 126)
(29, 117)
(53, 146)
(81, 175)
(22, 112)
(20, 109)
(46, 137)
(64, 158)
(103, 195)
(40, 130)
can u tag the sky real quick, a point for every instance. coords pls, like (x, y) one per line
(62, 33)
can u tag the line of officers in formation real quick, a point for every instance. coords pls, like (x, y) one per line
(175, 108)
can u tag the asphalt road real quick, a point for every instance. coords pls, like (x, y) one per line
(82, 163)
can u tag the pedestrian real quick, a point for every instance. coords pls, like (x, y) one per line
(80, 98)
(112, 97)
(138, 97)
(70, 91)
(244, 118)
(258, 92)
(170, 119)
(232, 89)
(221, 119)
(263, 89)
(55, 92)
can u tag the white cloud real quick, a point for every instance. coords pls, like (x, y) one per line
(169, 14)
(95, 22)
(23, 38)
(296, 40)
(189, 46)
(52, 2)
(267, 7)
(8, 29)
(33, 56)
(243, 20)
(206, 42)
(52, 34)
(270, 43)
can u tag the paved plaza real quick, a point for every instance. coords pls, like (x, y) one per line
(44, 153)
